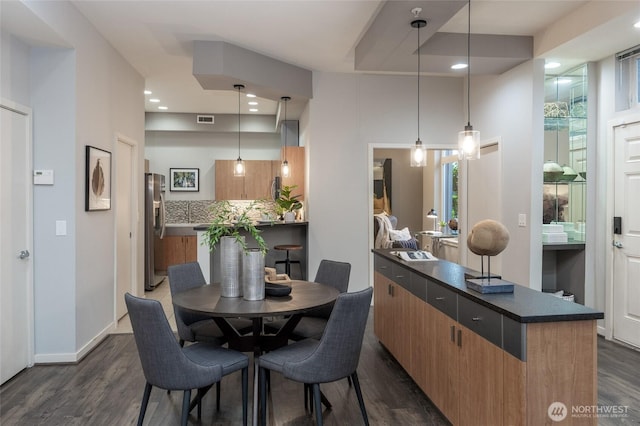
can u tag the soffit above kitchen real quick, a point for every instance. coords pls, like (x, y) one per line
(157, 37)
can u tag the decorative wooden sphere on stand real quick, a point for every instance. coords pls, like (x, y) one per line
(487, 238)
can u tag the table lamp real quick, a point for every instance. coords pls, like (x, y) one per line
(433, 215)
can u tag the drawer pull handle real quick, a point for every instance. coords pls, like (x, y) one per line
(460, 338)
(476, 319)
(399, 276)
(440, 299)
(453, 333)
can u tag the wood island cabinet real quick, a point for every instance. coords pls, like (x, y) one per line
(478, 365)
(178, 249)
(394, 310)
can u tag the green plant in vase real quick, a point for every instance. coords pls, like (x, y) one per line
(229, 219)
(288, 203)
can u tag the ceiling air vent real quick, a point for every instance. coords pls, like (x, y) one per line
(204, 119)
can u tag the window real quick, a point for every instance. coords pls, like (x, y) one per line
(449, 162)
(628, 79)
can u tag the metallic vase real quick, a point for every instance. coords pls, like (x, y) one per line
(230, 266)
(253, 275)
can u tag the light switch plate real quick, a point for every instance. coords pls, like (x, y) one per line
(43, 177)
(522, 220)
(61, 227)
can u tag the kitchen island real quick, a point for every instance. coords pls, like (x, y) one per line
(274, 233)
(499, 359)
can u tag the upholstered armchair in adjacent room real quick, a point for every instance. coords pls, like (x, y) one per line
(387, 236)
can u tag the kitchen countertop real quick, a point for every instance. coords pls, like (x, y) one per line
(205, 226)
(524, 305)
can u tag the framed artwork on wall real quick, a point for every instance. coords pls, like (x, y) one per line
(98, 179)
(186, 180)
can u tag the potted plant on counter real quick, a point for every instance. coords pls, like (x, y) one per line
(228, 220)
(288, 204)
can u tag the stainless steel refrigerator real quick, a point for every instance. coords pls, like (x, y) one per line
(154, 226)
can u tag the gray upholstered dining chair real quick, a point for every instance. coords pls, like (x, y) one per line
(194, 327)
(333, 357)
(169, 366)
(312, 324)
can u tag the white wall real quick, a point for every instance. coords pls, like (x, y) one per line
(84, 95)
(14, 65)
(347, 113)
(166, 150)
(508, 106)
(53, 77)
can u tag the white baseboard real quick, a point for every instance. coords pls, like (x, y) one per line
(73, 357)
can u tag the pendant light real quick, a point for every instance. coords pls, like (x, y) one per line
(418, 157)
(286, 171)
(469, 139)
(239, 169)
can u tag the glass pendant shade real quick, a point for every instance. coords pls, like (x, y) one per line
(469, 144)
(238, 169)
(418, 155)
(286, 171)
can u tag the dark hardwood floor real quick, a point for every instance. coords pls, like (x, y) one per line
(106, 389)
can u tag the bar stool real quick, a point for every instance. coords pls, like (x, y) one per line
(287, 262)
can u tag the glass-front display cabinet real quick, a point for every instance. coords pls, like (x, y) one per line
(565, 149)
(565, 182)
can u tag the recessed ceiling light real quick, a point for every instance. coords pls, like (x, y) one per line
(253, 103)
(163, 107)
(636, 25)
(563, 81)
(250, 95)
(458, 66)
(551, 65)
(154, 100)
(148, 92)
(253, 109)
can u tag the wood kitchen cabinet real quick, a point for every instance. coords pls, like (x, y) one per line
(178, 249)
(296, 159)
(254, 185)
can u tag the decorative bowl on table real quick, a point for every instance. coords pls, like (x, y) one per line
(276, 290)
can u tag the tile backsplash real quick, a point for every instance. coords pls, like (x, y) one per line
(183, 211)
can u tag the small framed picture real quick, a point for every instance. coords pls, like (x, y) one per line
(98, 179)
(187, 180)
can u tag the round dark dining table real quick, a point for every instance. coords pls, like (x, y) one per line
(304, 296)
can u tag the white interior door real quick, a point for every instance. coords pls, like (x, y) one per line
(124, 224)
(16, 310)
(626, 258)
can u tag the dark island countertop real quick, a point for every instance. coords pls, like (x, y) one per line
(205, 226)
(524, 305)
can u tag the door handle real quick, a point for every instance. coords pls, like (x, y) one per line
(617, 244)
(23, 254)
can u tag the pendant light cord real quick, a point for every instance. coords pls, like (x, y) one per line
(469, 67)
(238, 87)
(418, 23)
(418, 82)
